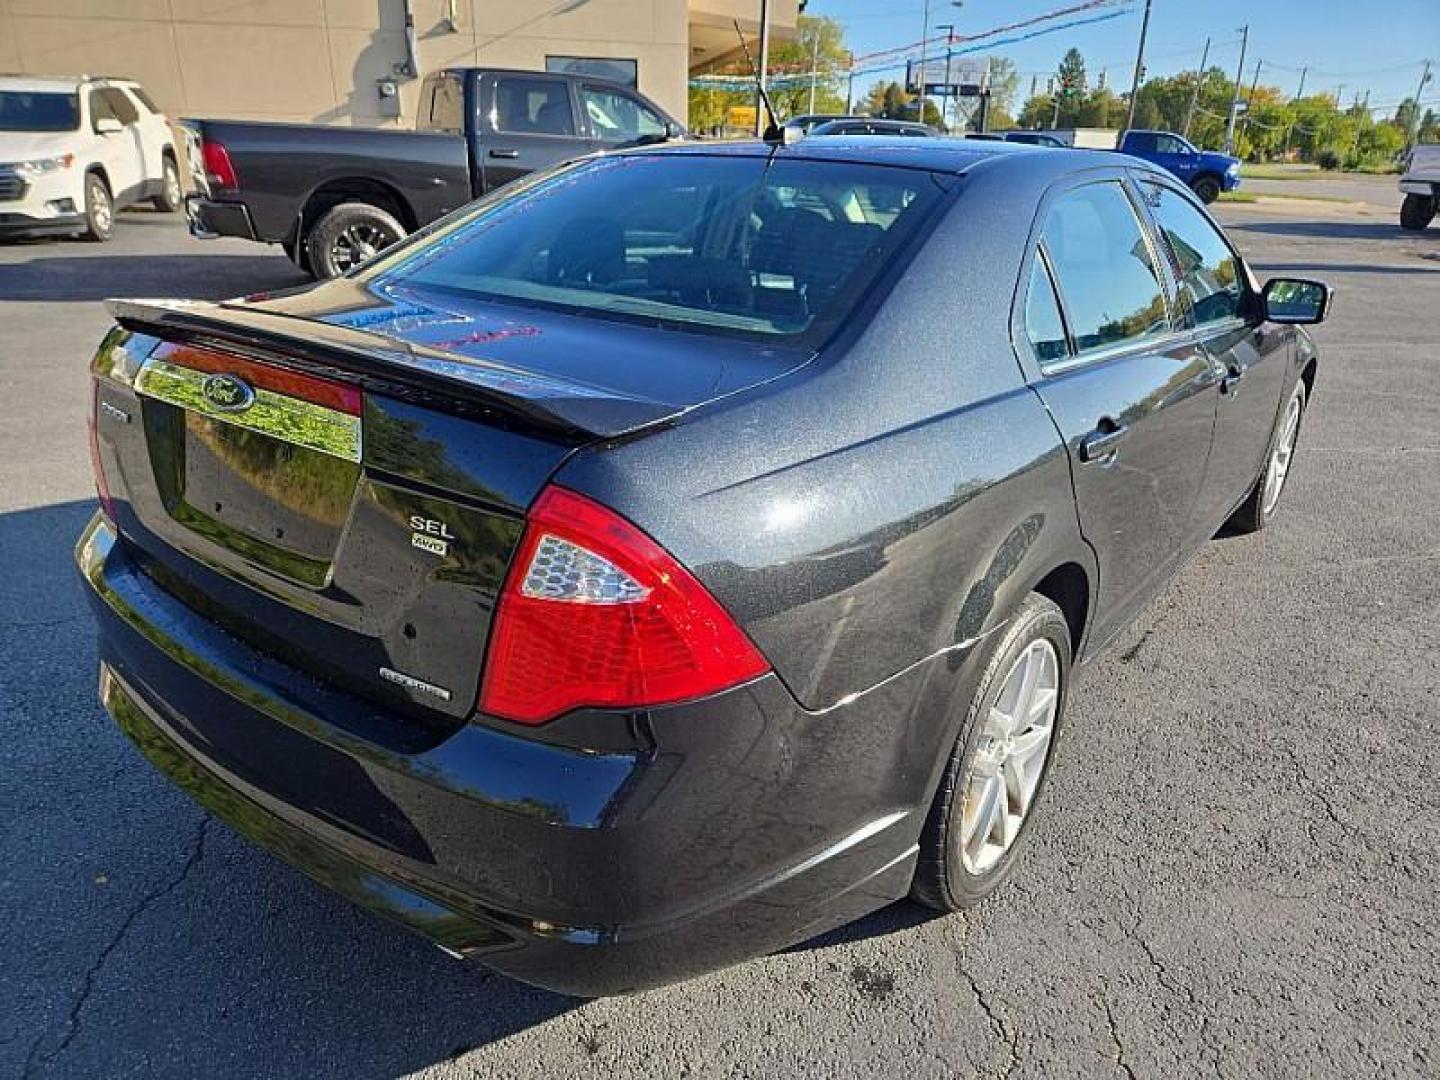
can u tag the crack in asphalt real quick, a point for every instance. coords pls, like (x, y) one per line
(1115, 1038)
(997, 1022)
(34, 1059)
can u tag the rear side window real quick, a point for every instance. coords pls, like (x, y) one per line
(1211, 282)
(121, 107)
(1104, 269)
(1043, 324)
(138, 92)
(732, 245)
(533, 107)
(442, 105)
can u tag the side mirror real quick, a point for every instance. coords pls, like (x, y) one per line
(108, 125)
(1296, 300)
(673, 130)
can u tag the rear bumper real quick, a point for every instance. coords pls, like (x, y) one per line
(719, 837)
(209, 219)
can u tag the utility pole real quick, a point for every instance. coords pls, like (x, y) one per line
(949, 29)
(1034, 82)
(1235, 100)
(1250, 101)
(760, 120)
(1299, 93)
(924, 41)
(1415, 118)
(814, 67)
(850, 88)
(1195, 90)
(1339, 93)
(1139, 68)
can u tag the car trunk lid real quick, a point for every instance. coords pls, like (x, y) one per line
(349, 499)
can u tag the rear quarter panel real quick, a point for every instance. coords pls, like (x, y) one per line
(887, 505)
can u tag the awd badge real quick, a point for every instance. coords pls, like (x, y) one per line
(430, 534)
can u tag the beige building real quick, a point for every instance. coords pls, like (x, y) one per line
(334, 61)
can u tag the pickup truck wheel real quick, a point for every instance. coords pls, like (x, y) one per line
(1417, 211)
(1000, 762)
(99, 209)
(347, 235)
(168, 201)
(1207, 188)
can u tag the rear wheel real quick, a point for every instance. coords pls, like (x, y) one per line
(1207, 188)
(99, 208)
(1259, 506)
(1417, 211)
(168, 201)
(348, 235)
(999, 764)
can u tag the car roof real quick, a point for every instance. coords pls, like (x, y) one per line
(40, 84)
(933, 153)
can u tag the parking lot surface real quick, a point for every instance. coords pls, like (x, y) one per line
(1237, 872)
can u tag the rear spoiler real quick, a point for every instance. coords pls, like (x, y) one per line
(498, 393)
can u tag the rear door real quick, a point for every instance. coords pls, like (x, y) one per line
(1133, 398)
(527, 122)
(1215, 298)
(122, 152)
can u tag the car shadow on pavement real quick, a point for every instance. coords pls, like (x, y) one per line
(148, 938)
(92, 277)
(1324, 230)
(1341, 268)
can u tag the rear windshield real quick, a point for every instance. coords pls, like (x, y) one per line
(734, 245)
(22, 110)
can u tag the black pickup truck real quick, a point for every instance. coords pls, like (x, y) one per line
(334, 196)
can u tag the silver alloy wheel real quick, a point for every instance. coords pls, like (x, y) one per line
(100, 212)
(356, 243)
(172, 183)
(1009, 757)
(1279, 467)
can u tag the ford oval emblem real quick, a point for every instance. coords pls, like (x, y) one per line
(227, 393)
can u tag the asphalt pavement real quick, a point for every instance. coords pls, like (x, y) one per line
(1237, 872)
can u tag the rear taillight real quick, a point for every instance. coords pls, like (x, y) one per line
(595, 613)
(102, 486)
(219, 172)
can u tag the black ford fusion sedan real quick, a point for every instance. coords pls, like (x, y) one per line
(681, 552)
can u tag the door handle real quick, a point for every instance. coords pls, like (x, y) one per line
(1100, 444)
(505, 153)
(1231, 381)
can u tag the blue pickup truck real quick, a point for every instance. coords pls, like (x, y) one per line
(1207, 173)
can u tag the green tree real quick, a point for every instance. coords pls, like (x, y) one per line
(818, 45)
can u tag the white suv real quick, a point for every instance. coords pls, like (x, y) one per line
(75, 150)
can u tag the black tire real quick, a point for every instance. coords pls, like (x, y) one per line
(171, 196)
(941, 879)
(1416, 212)
(99, 209)
(1206, 188)
(1252, 515)
(351, 227)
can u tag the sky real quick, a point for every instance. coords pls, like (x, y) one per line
(1375, 45)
